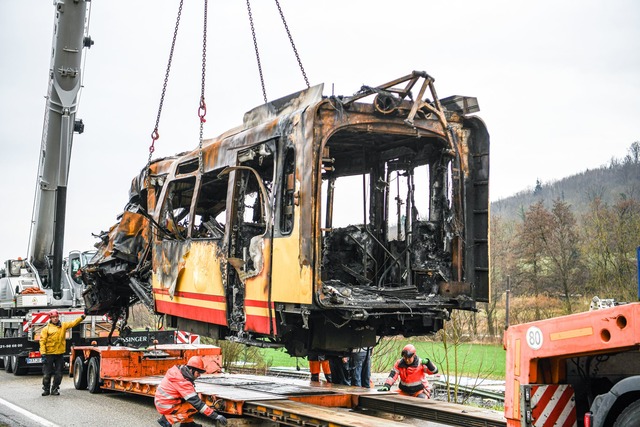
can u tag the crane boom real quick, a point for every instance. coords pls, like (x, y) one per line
(47, 226)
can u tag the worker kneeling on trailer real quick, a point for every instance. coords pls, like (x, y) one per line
(176, 397)
(412, 372)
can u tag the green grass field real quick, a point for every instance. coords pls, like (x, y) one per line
(473, 360)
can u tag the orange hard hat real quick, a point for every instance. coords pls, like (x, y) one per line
(53, 312)
(196, 363)
(408, 351)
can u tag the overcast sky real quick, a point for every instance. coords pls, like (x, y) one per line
(558, 84)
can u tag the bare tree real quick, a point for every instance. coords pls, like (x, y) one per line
(611, 237)
(561, 246)
(634, 152)
(503, 264)
(530, 248)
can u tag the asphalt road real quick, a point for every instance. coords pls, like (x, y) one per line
(21, 405)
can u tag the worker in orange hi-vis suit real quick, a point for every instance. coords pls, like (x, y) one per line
(412, 371)
(176, 397)
(317, 361)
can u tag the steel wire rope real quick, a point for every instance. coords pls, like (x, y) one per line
(293, 46)
(154, 134)
(255, 47)
(202, 110)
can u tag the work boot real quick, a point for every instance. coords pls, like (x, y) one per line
(45, 392)
(328, 378)
(315, 377)
(164, 422)
(55, 391)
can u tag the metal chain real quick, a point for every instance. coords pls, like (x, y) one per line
(295, 51)
(202, 110)
(155, 135)
(255, 45)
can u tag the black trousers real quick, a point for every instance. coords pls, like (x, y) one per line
(52, 365)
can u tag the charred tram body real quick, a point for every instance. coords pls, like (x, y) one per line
(320, 223)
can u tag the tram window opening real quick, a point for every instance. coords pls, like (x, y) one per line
(174, 216)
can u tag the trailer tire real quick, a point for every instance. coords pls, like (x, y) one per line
(79, 374)
(7, 365)
(630, 416)
(93, 375)
(2, 359)
(17, 370)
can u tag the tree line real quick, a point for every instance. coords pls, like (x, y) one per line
(554, 257)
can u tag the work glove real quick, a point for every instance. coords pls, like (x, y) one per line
(430, 366)
(384, 388)
(219, 418)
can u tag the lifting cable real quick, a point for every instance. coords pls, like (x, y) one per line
(155, 135)
(255, 46)
(295, 51)
(202, 110)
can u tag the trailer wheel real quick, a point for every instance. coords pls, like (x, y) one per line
(630, 416)
(15, 364)
(93, 375)
(7, 365)
(2, 362)
(79, 374)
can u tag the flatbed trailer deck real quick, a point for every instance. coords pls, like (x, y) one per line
(285, 401)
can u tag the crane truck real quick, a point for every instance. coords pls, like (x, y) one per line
(43, 268)
(46, 279)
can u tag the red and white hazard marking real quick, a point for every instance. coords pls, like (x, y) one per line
(183, 337)
(553, 405)
(36, 319)
(42, 317)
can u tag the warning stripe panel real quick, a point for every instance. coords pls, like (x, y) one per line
(553, 405)
(182, 337)
(42, 317)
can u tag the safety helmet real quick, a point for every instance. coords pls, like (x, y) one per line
(408, 351)
(196, 363)
(53, 312)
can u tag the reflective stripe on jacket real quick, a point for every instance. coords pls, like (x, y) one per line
(177, 387)
(53, 337)
(412, 376)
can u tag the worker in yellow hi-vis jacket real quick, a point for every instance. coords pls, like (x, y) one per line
(52, 347)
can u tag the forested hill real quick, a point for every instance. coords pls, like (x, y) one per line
(563, 242)
(617, 181)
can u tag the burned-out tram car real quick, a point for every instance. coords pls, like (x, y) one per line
(319, 224)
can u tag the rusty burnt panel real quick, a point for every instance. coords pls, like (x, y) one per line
(319, 217)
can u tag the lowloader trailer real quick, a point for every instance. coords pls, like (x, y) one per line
(275, 400)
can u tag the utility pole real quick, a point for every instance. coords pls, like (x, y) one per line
(507, 300)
